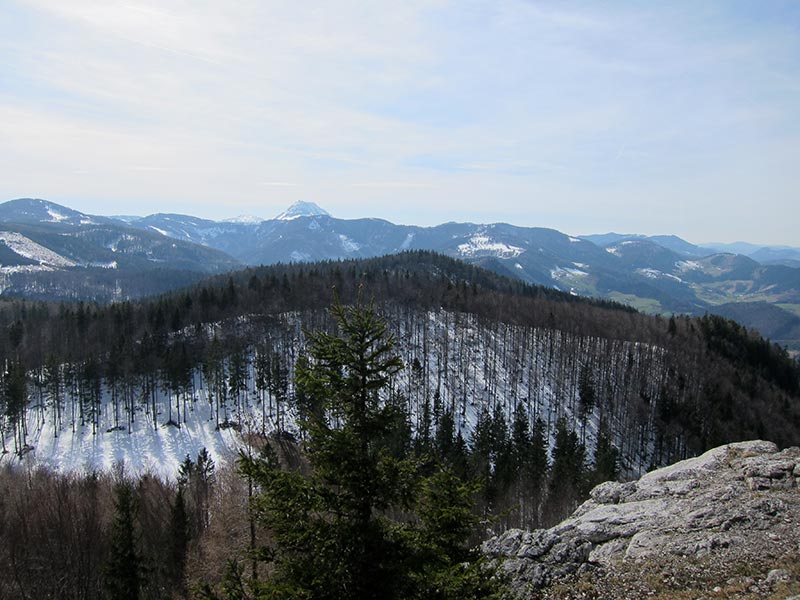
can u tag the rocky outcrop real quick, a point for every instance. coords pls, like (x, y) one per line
(738, 504)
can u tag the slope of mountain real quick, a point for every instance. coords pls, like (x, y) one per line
(474, 343)
(32, 211)
(658, 274)
(670, 242)
(47, 250)
(302, 209)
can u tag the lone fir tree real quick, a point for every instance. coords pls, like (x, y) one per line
(331, 533)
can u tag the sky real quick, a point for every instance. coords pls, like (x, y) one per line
(636, 117)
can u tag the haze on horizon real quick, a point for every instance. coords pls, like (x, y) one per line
(583, 116)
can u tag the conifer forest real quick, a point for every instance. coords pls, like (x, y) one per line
(389, 414)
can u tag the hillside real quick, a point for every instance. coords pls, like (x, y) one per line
(657, 274)
(49, 251)
(475, 344)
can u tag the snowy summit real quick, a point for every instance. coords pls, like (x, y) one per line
(302, 209)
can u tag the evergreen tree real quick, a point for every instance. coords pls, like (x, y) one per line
(123, 576)
(178, 539)
(331, 533)
(568, 481)
(606, 459)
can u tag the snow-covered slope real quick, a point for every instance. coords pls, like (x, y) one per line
(454, 362)
(302, 209)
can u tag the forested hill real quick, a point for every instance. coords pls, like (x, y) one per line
(480, 345)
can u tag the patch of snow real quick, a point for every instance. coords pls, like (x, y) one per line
(29, 249)
(518, 266)
(86, 221)
(482, 244)
(627, 243)
(574, 240)
(581, 265)
(613, 250)
(407, 242)
(55, 216)
(110, 265)
(656, 274)
(302, 209)
(349, 245)
(313, 225)
(300, 256)
(25, 269)
(564, 272)
(161, 231)
(688, 265)
(245, 220)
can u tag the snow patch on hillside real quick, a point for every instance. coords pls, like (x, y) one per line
(688, 265)
(55, 216)
(481, 244)
(161, 231)
(300, 256)
(565, 272)
(656, 274)
(407, 242)
(349, 245)
(29, 249)
(245, 220)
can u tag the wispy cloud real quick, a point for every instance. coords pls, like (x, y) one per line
(415, 107)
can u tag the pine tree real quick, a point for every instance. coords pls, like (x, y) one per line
(178, 539)
(123, 568)
(331, 533)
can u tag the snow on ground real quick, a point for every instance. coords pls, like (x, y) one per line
(574, 240)
(299, 256)
(29, 249)
(55, 216)
(141, 448)
(564, 272)
(688, 265)
(482, 244)
(407, 242)
(613, 250)
(348, 245)
(161, 231)
(455, 358)
(656, 274)
(245, 220)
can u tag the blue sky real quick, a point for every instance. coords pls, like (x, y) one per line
(647, 117)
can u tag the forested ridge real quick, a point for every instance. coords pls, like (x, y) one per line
(533, 393)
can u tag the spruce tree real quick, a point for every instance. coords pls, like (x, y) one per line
(332, 536)
(123, 568)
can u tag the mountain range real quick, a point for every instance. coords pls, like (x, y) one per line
(42, 242)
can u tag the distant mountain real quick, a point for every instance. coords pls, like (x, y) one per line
(49, 250)
(770, 320)
(302, 209)
(657, 274)
(32, 211)
(766, 255)
(671, 242)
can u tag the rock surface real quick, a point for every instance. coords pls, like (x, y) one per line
(728, 521)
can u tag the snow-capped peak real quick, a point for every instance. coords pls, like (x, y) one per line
(302, 209)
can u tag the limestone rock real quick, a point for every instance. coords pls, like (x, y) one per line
(732, 502)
